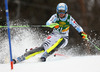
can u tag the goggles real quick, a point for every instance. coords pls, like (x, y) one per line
(61, 11)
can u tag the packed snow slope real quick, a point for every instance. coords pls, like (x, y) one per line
(57, 64)
(26, 38)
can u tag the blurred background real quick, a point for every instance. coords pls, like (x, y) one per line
(37, 12)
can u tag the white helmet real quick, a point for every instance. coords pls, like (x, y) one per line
(63, 7)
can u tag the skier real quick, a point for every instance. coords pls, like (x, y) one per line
(61, 22)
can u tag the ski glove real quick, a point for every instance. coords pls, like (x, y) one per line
(83, 35)
(53, 25)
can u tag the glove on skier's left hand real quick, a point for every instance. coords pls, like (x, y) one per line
(83, 35)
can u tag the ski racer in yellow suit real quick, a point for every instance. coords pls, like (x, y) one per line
(59, 36)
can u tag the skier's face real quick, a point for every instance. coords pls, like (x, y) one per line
(61, 15)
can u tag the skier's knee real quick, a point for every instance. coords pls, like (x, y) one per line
(56, 45)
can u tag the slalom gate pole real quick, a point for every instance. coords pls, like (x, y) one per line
(93, 44)
(7, 20)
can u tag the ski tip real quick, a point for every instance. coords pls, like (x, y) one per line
(14, 61)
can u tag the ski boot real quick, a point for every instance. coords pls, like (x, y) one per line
(44, 56)
(14, 61)
(19, 59)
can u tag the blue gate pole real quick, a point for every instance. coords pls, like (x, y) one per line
(7, 20)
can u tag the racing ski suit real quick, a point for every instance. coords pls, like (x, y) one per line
(57, 39)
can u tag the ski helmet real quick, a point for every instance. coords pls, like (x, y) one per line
(62, 8)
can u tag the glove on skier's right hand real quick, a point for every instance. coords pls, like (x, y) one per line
(57, 26)
(52, 25)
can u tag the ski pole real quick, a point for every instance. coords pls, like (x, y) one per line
(50, 26)
(12, 26)
(93, 44)
(57, 54)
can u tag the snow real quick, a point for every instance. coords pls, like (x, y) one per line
(57, 64)
(26, 38)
